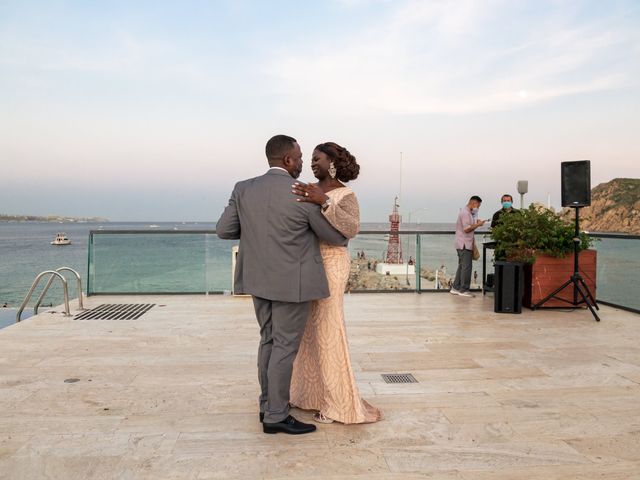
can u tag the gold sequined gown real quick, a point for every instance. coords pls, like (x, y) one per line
(322, 377)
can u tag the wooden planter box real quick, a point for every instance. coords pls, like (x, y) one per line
(548, 273)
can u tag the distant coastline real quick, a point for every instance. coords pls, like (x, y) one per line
(49, 218)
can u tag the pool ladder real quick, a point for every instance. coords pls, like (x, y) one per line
(52, 274)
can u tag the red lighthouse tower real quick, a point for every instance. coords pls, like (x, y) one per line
(394, 250)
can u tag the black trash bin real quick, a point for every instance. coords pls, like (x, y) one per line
(509, 287)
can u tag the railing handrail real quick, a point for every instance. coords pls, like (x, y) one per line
(621, 236)
(624, 236)
(51, 279)
(151, 231)
(212, 232)
(35, 284)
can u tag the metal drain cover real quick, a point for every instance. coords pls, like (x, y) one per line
(115, 311)
(398, 378)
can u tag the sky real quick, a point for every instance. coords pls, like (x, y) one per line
(152, 110)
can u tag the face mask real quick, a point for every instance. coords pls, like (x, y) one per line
(506, 205)
(474, 211)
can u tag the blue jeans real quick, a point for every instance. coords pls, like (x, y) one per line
(462, 282)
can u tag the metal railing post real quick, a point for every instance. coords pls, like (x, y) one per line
(418, 263)
(89, 261)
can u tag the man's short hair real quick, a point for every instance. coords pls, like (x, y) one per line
(278, 146)
(506, 195)
(476, 198)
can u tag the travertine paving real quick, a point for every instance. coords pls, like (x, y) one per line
(172, 395)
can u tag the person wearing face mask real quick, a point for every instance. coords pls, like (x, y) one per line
(507, 207)
(465, 226)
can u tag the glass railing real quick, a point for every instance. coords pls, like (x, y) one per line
(182, 262)
(429, 258)
(158, 261)
(618, 270)
(198, 262)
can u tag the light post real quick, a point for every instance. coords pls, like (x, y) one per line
(523, 187)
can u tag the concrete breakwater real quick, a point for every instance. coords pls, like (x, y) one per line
(363, 276)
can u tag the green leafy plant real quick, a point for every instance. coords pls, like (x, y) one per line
(532, 231)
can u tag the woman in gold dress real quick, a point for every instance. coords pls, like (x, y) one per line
(323, 378)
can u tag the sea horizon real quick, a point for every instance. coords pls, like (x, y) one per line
(184, 222)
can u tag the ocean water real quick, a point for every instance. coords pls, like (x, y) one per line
(25, 251)
(202, 263)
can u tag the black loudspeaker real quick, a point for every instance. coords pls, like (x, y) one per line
(576, 183)
(509, 278)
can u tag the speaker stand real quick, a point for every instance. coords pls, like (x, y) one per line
(579, 285)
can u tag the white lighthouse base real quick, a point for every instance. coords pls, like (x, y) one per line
(395, 269)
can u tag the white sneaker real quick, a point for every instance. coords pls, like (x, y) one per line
(466, 294)
(453, 291)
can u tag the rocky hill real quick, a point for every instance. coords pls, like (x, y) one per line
(615, 207)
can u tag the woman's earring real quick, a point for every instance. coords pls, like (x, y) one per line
(332, 170)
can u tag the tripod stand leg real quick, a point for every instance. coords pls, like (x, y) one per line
(552, 294)
(586, 289)
(584, 297)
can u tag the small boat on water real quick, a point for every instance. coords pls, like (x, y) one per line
(61, 239)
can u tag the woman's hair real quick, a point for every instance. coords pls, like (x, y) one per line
(347, 168)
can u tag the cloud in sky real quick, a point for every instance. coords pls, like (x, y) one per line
(172, 102)
(462, 57)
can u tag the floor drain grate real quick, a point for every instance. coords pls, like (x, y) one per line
(116, 311)
(398, 378)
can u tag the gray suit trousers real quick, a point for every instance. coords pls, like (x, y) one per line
(281, 327)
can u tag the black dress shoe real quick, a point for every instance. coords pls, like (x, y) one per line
(261, 417)
(289, 425)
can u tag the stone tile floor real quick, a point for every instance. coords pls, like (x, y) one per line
(172, 395)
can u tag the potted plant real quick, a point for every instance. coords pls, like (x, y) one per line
(544, 242)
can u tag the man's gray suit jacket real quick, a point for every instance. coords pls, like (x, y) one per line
(279, 256)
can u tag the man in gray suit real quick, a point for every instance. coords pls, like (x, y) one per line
(279, 263)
